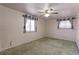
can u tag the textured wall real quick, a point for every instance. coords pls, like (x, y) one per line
(11, 28)
(66, 34)
(77, 40)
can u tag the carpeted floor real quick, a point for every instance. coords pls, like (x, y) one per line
(44, 46)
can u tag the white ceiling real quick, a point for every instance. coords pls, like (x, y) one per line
(64, 9)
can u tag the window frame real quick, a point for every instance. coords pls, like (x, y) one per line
(71, 21)
(25, 21)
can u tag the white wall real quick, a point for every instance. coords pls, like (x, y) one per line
(77, 40)
(66, 34)
(1, 29)
(11, 28)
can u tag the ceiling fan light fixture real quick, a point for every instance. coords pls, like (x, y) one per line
(46, 15)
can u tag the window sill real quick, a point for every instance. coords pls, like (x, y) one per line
(65, 28)
(31, 32)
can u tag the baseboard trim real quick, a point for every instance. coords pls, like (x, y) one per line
(59, 39)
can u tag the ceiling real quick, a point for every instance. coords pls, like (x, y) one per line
(64, 9)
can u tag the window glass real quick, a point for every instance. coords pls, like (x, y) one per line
(65, 24)
(30, 25)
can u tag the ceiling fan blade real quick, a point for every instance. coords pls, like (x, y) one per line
(41, 11)
(54, 13)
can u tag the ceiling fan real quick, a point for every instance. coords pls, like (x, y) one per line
(48, 12)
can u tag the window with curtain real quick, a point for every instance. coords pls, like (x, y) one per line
(65, 24)
(30, 23)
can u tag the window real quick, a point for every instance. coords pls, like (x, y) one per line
(30, 25)
(65, 24)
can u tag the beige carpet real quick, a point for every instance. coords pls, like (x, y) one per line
(44, 46)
